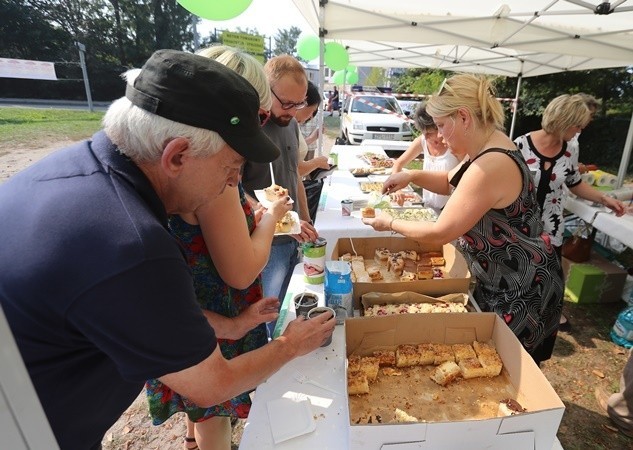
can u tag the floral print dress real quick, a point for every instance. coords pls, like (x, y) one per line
(552, 175)
(518, 273)
(214, 295)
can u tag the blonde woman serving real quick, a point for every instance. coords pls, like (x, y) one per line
(492, 211)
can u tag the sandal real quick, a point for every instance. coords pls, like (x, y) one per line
(564, 324)
(190, 440)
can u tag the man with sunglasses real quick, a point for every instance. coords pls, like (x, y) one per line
(288, 84)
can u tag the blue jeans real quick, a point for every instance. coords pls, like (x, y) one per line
(277, 273)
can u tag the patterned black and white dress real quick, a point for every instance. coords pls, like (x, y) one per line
(518, 273)
(551, 175)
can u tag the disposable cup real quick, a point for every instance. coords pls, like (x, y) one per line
(320, 310)
(304, 303)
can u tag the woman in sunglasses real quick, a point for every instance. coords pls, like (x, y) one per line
(492, 212)
(227, 244)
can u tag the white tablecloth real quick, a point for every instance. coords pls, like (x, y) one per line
(325, 365)
(620, 228)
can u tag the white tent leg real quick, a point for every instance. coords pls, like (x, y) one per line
(516, 105)
(626, 154)
(321, 114)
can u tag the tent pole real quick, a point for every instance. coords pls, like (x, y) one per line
(516, 102)
(626, 154)
(321, 115)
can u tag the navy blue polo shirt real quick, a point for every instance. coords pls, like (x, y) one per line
(96, 291)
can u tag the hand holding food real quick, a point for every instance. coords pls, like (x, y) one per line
(381, 222)
(279, 208)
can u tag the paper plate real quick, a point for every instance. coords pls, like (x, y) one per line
(296, 226)
(261, 196)
(290, 418)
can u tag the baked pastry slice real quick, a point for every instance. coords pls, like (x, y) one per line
(401, 416)
(385, 357)
(492, 364)
(471, 368)
(426, 354)
(369, 365)
(443, 353)
(463, 351)
(445, 373)
(407, 355)
(357, 383)
(374, 273)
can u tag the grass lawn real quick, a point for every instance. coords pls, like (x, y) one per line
(33, 126)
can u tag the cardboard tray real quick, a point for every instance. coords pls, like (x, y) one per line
(535, 429)
(398, 298)
(456, 274)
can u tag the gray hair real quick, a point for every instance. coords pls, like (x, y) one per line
(142, 136)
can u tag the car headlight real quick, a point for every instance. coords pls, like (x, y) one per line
(406, 127)
(358, 125)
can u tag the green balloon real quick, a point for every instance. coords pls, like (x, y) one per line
(352, 68)
(351, 77)
(215, 9)
(336, 57)
(308, 47)
(338, 78)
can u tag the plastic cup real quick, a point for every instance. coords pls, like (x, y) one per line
(320, 310)
(304, 303)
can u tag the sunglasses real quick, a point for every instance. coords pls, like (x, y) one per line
(289, 105)
(263, 117)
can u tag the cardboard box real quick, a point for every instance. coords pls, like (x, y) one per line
(596, 281)
(535, 429)
(456, 273)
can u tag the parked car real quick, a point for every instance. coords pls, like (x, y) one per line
(373, 116)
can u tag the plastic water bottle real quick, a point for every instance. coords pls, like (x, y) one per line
(622, 331)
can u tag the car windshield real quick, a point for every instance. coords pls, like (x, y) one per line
(375, 105)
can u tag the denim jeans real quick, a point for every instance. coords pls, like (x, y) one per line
(277, 273)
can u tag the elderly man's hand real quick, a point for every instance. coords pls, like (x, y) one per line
(307, 335)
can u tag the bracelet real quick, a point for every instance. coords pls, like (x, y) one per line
(391, 226)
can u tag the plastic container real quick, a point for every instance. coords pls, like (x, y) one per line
(314, 261)
(622, 331)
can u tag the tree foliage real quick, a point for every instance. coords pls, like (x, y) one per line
(286, 41)
(601, 142)
(118, 34)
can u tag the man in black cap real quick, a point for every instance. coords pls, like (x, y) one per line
(92, 282)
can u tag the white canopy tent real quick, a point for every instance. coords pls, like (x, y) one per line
(519, 38)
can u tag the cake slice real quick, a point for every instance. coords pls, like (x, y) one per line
(426, 354)
(357, 383)
(369, 365)
(471, 368)
(443, 353)
(385, 357)
(407, 355)
(492, 364)
(463, 351)
(445, 373)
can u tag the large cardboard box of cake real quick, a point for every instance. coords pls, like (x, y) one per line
(407, 302)
(455, 276)
(596, 281)
(466, 413)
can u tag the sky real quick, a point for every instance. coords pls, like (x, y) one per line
(267, 16)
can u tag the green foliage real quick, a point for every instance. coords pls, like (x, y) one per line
(376, 77)
(286, 41)
(419, 81)
(118, 34)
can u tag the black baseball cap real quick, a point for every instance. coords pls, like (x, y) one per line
(198, 91)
